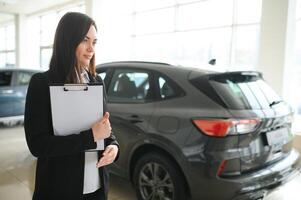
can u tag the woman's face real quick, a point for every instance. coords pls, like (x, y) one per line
(86, 49)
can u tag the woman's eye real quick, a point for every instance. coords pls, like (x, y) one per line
(85, 40)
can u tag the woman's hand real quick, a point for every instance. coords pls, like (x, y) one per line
(108, 155)
(102, 128)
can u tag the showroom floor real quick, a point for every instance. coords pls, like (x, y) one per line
(17, 172)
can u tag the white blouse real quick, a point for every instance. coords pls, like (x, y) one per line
(91, 174)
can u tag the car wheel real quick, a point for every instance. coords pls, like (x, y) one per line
(157, 178)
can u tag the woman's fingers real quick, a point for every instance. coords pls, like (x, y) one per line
(108, 150)
(100, 163)
(105, 118)
(105, 160)
(109, 156)
(102, 129)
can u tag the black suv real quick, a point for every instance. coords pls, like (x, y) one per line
(187, 133)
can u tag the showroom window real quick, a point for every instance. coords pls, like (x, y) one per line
(295, 71)
(297, 57)
(224, 30)
(187, 32)
(41, 30)
(7, 45)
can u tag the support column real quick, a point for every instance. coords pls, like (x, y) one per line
(20, 44)
(273, 37)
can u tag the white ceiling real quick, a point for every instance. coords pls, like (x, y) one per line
(30, 6)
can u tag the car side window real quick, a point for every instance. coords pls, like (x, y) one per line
(102, 75)
(129, 86)
(167, 88)
(23, 78)
(5, 78)
(166, 91)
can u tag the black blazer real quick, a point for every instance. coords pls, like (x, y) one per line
(60, 159)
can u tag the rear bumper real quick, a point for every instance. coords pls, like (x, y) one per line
(249, 186)
(266, 180)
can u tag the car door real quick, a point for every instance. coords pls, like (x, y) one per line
(6, 93)
(130, 106)
(169, 116)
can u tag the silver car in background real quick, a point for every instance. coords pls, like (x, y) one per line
(13, 88)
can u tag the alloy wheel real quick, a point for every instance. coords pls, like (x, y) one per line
(155, 182)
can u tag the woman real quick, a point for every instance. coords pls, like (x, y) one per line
(64, 169)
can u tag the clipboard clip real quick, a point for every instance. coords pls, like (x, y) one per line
(75, 87)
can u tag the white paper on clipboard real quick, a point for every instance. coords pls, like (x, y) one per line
(75, 107)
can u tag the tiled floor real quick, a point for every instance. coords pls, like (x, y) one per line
(17, 172)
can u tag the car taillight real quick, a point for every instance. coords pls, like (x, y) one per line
(224, 127)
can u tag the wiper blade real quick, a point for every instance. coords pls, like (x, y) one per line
(275, 102)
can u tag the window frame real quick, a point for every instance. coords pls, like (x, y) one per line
(109, 78)
(6, 49)
(179, 91)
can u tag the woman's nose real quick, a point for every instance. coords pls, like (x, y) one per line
(91, 47)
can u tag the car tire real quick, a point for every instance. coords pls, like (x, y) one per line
(156, 177)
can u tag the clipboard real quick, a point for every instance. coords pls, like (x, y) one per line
(75, 107)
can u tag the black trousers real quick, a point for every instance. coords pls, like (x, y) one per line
(97, 195)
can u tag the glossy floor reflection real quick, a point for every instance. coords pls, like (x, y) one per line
(17, 167)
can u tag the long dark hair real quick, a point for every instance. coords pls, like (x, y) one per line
(71, 30)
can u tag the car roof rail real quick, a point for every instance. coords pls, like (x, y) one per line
(135, 61)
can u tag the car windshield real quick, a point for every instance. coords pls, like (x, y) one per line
(241, 91)
(5, 78)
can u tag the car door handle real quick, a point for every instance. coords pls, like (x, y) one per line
(135, 119)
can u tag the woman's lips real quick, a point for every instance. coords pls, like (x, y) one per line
(88, 57)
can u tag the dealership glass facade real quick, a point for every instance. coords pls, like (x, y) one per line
(185, 32)
(182, 32)
(7, 45)
(40, 34)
